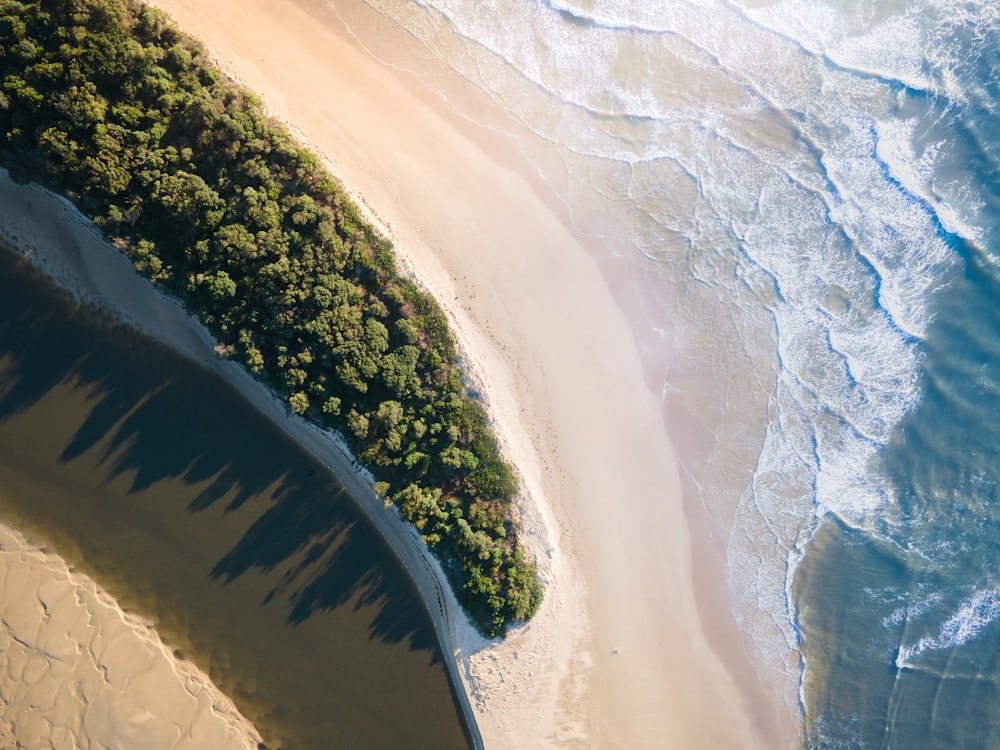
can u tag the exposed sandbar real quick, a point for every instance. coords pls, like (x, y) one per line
(77, 672)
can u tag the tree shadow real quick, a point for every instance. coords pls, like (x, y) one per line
(153, 415)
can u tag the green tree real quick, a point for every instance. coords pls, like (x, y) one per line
(105, 101)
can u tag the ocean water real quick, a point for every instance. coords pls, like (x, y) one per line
(805, 192)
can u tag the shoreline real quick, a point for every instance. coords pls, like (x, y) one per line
(469, 111)
(129, 670)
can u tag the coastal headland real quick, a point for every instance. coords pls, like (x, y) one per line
(617, 656)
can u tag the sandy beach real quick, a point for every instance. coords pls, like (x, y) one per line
(619, 654)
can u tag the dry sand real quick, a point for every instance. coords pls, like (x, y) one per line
(618, 655)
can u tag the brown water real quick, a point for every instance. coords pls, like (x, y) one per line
(176, 496)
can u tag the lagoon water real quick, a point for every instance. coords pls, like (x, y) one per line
(803, 195)
(179, 499)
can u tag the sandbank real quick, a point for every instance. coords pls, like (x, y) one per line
(76, 669)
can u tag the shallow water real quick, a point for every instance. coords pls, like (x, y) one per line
(806, 192)
(193, 511)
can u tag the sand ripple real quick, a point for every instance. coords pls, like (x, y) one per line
(76, 672)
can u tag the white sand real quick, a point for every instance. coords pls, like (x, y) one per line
(77, 672)
(618, 656)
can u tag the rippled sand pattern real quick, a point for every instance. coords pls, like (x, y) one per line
(78, 672)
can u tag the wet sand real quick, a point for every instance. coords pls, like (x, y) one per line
(76, 671)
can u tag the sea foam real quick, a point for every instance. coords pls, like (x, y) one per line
(972, 617)
(777, 164)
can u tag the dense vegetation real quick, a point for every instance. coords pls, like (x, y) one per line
(108, 103)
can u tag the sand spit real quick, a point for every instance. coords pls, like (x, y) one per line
(78, 673)
(617, 656)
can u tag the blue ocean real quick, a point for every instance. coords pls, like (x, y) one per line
(807, 191)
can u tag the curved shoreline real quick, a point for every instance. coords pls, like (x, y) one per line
(37, 223)
(618, 653)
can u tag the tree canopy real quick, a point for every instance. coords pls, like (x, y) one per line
(108, 103)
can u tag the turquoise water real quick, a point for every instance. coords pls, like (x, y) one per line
(899, 611)
(807, 192)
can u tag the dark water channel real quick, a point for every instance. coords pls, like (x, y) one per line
(153, 477)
